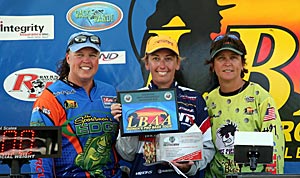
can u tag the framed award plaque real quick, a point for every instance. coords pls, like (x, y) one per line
(148, 111)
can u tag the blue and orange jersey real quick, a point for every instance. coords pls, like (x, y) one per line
(89, 131)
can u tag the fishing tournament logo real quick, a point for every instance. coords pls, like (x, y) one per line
(148, 111)
(148, 119)
(28, 84)
(272, 47)
(94, 16)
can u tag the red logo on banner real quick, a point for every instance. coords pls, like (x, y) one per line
(28, 84)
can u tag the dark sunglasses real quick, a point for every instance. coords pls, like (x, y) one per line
(83, 38)
(229, 36)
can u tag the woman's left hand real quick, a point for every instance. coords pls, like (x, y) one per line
(183, 166)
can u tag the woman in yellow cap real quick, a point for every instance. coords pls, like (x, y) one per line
(162, 59)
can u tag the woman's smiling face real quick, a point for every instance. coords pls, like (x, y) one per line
(162, 65)
(83, 65)
(228, 66)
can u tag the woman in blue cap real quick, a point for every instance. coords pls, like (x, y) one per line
(81, 106)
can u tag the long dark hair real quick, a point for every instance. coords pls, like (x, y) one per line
(63, 68)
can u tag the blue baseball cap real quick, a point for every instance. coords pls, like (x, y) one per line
(75, 46)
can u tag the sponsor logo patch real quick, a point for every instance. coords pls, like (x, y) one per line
(94, 16)
(28, 84)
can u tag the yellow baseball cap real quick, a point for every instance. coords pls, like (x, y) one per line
(155, 43)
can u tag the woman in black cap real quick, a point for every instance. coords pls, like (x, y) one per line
(238, 105)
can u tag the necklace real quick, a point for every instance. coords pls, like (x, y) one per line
(234, 92)
(241, 89)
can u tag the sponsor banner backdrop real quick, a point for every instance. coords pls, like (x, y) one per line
(26, 27)
(33, 37)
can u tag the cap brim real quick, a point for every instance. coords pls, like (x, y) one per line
(77, 46)
(162, 47)
(226, 48)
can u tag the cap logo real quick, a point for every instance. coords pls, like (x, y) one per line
(165, 41)
(161, 42)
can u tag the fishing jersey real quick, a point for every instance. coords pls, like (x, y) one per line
(192, 110)
(89, 130)
(253, 110)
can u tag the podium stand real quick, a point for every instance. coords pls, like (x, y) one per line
(262, 175)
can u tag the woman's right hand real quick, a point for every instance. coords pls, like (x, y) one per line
(116, 111)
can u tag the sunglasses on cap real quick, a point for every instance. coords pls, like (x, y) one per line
(220, 37)
(83, 38)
